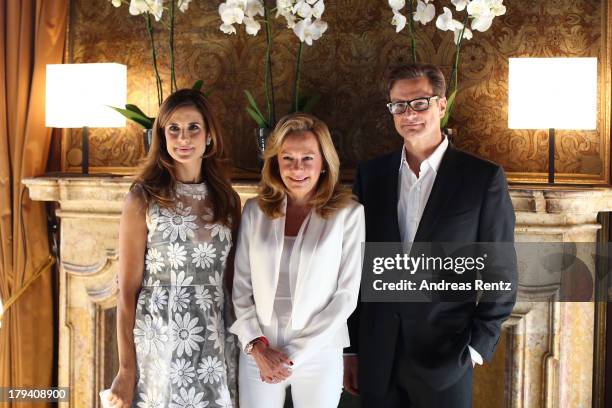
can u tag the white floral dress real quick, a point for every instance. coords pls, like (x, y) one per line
(185, 355)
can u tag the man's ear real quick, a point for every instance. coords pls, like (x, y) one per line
(442, 106)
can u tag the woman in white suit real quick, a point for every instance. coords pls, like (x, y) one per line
(297, 271)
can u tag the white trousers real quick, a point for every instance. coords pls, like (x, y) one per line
(317, 382)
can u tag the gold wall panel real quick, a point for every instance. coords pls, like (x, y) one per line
(346, 67)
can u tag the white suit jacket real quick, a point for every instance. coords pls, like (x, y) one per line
(327, 284)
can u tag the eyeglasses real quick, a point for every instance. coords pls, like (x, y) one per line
(417, 105)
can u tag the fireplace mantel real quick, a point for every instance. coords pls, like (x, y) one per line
(537, 362)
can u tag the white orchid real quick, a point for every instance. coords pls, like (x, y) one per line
(482, 22)
(183, 5)
(284, 7)
(309, 31)
(445, 21)
(155, 7)
(251, 25)
(227, 28)
(467, 34)
(291, 20)
(460, 5)
(254, 8)
(302, 9)
(479, 7)
(116, 3)
(318, 9)
(231, 12)
(138, 7)
(497, 8)
(397, 4)
(399, 21)
(241, 12)
(424, 13)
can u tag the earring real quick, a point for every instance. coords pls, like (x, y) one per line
(323, 171)
(208, 141)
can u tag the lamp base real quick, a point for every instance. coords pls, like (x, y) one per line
(85, 150)
(551, 156)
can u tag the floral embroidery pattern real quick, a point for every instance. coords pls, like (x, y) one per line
(184, 354)
(177, 224)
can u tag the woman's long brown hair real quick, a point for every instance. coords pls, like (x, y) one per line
(157, 177)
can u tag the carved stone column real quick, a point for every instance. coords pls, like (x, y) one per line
(551, 344)
(547, 348)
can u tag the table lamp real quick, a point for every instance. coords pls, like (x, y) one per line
(79, 96)
(552, 93)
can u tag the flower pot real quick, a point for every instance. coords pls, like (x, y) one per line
(261, 137)
(147, 136)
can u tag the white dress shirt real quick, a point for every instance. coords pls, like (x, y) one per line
(413, 194)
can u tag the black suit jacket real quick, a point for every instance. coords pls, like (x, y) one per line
(469, 202)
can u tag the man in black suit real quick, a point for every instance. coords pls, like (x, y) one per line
(407, 354)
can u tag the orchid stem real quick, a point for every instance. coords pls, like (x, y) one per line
(269, 82)
(411, 31)
(173, 86)
(160, 92)
(298, 71)
(455, 71)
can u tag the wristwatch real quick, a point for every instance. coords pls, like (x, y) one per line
(248, 349)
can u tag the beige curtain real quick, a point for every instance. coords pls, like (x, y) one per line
(32, 35)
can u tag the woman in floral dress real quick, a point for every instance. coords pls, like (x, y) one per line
(175, 241)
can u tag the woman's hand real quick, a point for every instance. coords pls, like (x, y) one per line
(273, 364)
(122, 389)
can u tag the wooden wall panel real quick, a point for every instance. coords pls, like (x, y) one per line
(346, 67)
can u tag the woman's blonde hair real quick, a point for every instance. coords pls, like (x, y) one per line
(330, 196)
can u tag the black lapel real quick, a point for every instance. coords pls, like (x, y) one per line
(389, 197)
(447, 181)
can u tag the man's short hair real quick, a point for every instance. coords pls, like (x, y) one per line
(417, 70)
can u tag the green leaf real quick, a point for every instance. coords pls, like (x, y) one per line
(143, 121)
(311, 103)
(253, 106)
(198, 85)
(207, 93)
(261, 122)
(449, 109)
(137, 110)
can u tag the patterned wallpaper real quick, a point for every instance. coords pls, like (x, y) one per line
(346, 67)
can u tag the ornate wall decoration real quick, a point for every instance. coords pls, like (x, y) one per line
(347, 67)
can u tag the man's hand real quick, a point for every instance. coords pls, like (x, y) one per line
(351, 372)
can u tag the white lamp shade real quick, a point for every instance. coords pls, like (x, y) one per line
(559, 93)
(78, 95)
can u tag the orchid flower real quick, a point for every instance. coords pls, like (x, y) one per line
(467, 34)
(397, 4)
(309, 31)
(460, 5)
(183, 5)
(241, 12)
(399, 21)
(445, 21)
(424, 13)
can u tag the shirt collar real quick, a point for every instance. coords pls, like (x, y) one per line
(433, 160)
